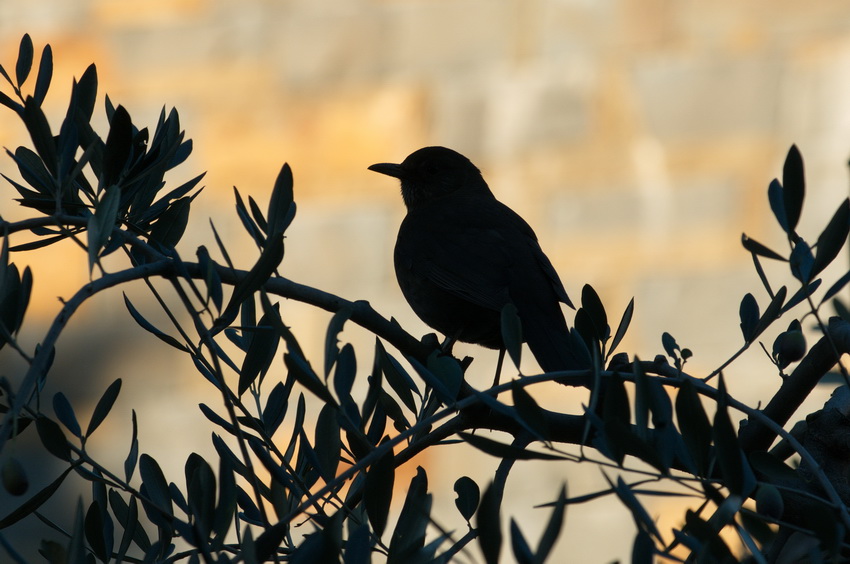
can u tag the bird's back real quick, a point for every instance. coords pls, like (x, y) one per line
(461, 258)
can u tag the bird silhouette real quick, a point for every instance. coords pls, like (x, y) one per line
(461, 256)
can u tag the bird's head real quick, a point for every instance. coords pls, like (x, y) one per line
(433, 172)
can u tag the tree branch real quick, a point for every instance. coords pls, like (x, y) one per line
(754, 435)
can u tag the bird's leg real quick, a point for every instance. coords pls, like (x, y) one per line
(499, 367)
(447, 345)
(446, 349)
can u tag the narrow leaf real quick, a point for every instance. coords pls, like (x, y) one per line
(5, 75)
(146, 214)
(489, 525)
(447, 371)
(85, 92)
(35, 501)
(133, 455)
(641, 517)
(327, 441)
(200, 492)
(643, 549)
(101, 223)
(837, 287)
(65, 413)
(694, 425)
(553, 528)
(247, 221)
(260, 354)
(77, 546)
(749, 314)
(379, 491)
(171, 224)
(762, 275)
(128, 517)
(734, 467)
(119, 144)
(502, 450)
(801, 294)
(794, 187)
(409, 535)
(45, 74)
(625, 321)
(147, 326)
(53, 438)
(281, 204)
(643, 401)
(258, 275)
(529, 411)
(94, 528)
(401, 383)
(802, 261)
(591, 303)
(9, 103)
(25, 56)
(212, 280)
(357, 550)
(669, 344)
(771, 312)
(522, 552)
(155, 484)
(305, 376)
(776, 197)
(42, 138)
(276, 406)
(257, 215)
(392, 410)
(468, 496)
(833, 237)
(757, 248)
(345, 373)
(226, 502)
(221, 247)
(335, 327)
(104, 405)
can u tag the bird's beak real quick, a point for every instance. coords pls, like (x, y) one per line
(390, 169)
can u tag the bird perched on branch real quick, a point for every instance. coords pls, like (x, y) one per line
(461, 256)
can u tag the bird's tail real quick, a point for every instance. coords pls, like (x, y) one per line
(554, 345)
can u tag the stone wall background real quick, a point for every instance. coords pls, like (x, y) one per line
(637, 137)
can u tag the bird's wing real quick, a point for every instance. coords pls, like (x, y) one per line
(552, 275)
(477, 256)
(474, 268)
(543, 262)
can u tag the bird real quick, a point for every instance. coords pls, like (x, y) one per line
(461, 256)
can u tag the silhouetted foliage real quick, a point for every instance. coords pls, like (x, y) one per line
(760, 492)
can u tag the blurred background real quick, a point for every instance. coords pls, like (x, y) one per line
(637, 137)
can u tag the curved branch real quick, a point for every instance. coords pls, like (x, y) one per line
(362, 313)
(567, 428)
(797, 387)
(41, 360)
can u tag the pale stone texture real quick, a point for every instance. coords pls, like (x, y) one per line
(638, 138)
